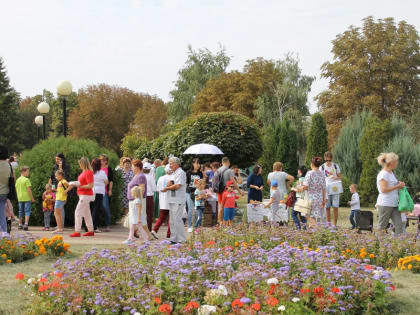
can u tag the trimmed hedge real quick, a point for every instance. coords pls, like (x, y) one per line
(41, 161)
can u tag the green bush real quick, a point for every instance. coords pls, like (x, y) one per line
(346, 195)
(317, 139)
(130, 144)
(41, 161)
(236, 135)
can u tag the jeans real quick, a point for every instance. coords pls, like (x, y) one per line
(190, 209)
(24, 209)
(200, 211)
(97, 208)
(107, 210)
(47, 218)
(3, 224)
(353, 216)
(298, 218)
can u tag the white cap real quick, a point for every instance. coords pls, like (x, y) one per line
(147, 166)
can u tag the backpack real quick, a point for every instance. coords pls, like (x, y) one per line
(218, 183)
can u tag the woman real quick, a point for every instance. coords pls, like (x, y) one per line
(296, 216)
(127, 175)
(315, 184)
(108, 189)
(388, 188)
(281, 177)
(194, 174)
(86, 196)
(255, 184)
(100, 180)
(60, 165)
(5, 173)
(139, 179)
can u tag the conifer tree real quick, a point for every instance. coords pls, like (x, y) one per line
(317, 140)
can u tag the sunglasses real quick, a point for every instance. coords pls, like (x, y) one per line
(327, 160)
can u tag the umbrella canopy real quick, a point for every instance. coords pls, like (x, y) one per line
(203, 148)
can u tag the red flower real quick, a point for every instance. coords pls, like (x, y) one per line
(20, 276)
(332, 300)
(165, 308)
(368, 267)
(256, 306)
(319, 292)
(157, 300)
(303, 291)
(392, 287)
(58, 274)
(335, 290)
(272, 288)
(42, 288)
(237, 303)
(42, 280)
(191, 306)
(272, 301)
(55, 284)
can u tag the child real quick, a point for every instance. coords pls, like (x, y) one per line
(48, 200)
(229, 198)
(170, 183)
(137, 217)
(8, 212)
(274, 202)
(354, 205)
(200, 198)
(25, 197)
(63, 188)
(298, 217)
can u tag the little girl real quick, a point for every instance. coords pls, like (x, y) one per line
(137, 217)
(200, 198)
(48, 200)
(228, 203)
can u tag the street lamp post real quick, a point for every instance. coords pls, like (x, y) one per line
(43, 108)
(39, 123)
(64, 89)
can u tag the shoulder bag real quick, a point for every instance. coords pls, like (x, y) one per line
(12, 188)
(304, 205)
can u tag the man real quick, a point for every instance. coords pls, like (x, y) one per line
(108, 189)
(334, 187)
(151, 188)
(177, 199)
(228, 175)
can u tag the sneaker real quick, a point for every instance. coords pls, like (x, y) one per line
(98, 231)
(89, 234)
(190, 230)
(154, 234)
(25, 228)
(20, 227)
(129, 242)
(75, 234)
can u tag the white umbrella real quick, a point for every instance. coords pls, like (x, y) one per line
(203, 148)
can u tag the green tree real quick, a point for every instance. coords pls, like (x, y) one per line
(10, 120)
(287, 152)
(317, 139)
(347, 147)
(375, 135)
(201, 66)
(375, 68)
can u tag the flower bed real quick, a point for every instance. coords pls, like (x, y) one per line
(218, 272)
(22, 247)
(409, 263)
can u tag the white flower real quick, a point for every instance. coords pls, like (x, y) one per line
(378, 272)
(282, 308)
(31, 280)
(206, 309)
(295, 300)
(137, 313)
(40, 275)
(222, 290)
(272, 281)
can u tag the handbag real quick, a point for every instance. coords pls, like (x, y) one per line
(304, 205)
(405, 203)
(12, 188)
(335, 188)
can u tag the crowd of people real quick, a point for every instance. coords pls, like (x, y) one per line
(162, 190)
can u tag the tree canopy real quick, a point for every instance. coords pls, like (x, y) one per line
(375, 67)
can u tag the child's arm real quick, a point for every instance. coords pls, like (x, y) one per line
(139, 212)
(269, 203)
(30, 193)
(43, 195)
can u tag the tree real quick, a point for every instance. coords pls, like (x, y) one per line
(317, 139)
(287, 147)
(375, 68)
(104, 114)
(201, 66)
(347, 147)
(150, 118)
(375, 135)
(10, 121)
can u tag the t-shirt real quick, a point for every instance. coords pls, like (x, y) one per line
(179, 178)
(139, 179)
(14, 165)
(160, 171)
(200, 193)
(65, 169)
(191, 177)
(163, 196)
(355, 202)
(5, 173)
(330, 171)
(85, 178)
(110, 174)
(389, 199)
(151, 184)
(229, 199)
(61, 190)
(99, 180)
(300, 182)
(22, 185)
(277, 196)
(280, 177)
(227, 175)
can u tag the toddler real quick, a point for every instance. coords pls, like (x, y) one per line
(229, 198)
(274, 202)
(48, 200)
(171, 183)
(354, 205)
(25, 197)
(200, 198)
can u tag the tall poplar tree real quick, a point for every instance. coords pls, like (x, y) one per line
(317, 139)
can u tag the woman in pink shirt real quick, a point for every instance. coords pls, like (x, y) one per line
(86, 196)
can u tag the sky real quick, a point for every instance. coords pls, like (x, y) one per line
(141, 44)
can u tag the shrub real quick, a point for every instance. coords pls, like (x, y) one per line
(130, 144)
(346, 195)
(317, 139)
(41, 160)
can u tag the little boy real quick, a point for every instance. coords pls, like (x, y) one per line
(229, 198)
(274, 202)
(25, 197)
(354, 205)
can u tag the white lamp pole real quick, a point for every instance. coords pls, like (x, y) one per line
(43, 108)
(64, 89)
(38, 122)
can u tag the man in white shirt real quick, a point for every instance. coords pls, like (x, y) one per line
(151, 188)
(332, 173)
(177, 199)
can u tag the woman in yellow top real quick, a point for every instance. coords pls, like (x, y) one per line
(60, 200)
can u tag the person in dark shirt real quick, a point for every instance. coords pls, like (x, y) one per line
(255, 184)
(60, 165)
(194, 174)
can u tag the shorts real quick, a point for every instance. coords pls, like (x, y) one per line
(228, 214)
(24, 209)
(59, 204)
(333, 201)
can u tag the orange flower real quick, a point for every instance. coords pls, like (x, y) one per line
(42, 288)
(392, 287)
(335, 290)
(303, 291)
(158, 300)
(256, 306)
(319, 292)
(165, 308)
(272, 301)
(58, 274)
(332, 300)
(237, 303)
(20, 276)
(42, 280)
(191, 306)
(368, 267)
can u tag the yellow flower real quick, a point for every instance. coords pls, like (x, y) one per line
(409, 266)
(348, 250)
(372, 256)
(396, 269)
(8, 261)
(236, 244)
(403, 268)
(4, 256)
(363, 255)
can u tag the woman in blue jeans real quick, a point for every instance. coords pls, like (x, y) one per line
(194, 174)
(296, 216)
(5, 172)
